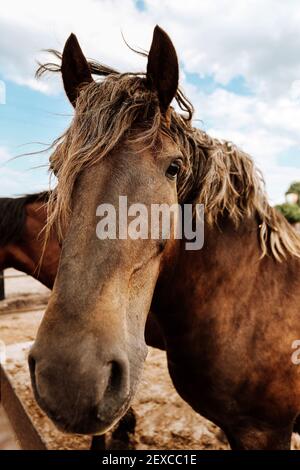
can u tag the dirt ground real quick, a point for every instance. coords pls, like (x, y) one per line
(7, 437)
(22, 293)
(164, 421)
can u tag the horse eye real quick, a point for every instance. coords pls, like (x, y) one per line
(173, 170)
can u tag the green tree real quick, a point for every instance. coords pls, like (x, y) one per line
(291, 211)
(295, 188)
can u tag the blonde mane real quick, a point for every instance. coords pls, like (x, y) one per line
(217, 174)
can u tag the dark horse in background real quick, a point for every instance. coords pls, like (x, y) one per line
(229, 313)
(22, 221)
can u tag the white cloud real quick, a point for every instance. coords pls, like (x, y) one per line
(257, 40)
(4, 155)
(28, 27)
(248, 120)
(266, 131)
(15, 182)
(225, 38)
(278, 179)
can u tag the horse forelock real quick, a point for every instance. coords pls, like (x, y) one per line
(217, 173)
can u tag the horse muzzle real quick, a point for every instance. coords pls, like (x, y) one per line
(81, 400)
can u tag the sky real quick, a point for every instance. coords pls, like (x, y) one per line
(239, 65)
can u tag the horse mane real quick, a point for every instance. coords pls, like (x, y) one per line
(13, 216)
(217, 173)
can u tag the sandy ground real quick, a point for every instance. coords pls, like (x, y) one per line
(7, 437)
(18, 286)
(20, 293)
(164, 421)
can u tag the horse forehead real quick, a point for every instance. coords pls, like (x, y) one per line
(169, 147)
(123, 163)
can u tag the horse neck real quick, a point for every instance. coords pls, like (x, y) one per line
(4, 258)
(30, 255)
(45, 256)
(11, 256)
(191, 280)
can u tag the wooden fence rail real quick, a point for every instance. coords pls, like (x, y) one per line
(2, 290)
(2, 282)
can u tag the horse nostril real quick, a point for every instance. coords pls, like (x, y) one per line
(32, 367)
(115, 378)
(104, 392)
(118, 378)
(31, 363)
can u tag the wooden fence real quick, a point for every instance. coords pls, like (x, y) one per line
(2, 282)
(2, 289)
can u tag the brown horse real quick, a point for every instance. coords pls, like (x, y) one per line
(22, 221)
(228, 313)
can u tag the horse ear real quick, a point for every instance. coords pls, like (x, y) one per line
(162, 68)
(74, 68)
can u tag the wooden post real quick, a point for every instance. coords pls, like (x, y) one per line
(2, 291)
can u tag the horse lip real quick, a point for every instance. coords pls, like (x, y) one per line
(56, 418)
(97, 427)
(117, 415)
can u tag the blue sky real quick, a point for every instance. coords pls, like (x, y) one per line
(243, 80)
(29, 121)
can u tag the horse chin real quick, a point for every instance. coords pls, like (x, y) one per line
(85, 429)
(92, 427)
(96, 428)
